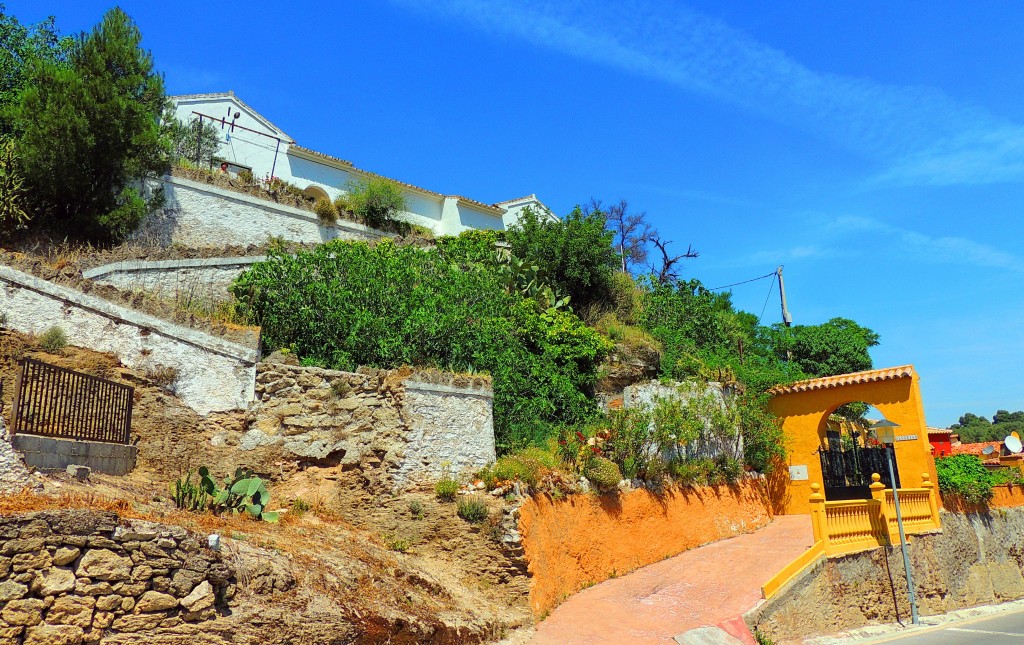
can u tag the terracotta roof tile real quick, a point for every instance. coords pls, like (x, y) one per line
(870, 376)
(975, 448)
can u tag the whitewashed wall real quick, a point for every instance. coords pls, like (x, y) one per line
(263, 154)
(199, 215)
(206, 279)
(449, 427)
(214, 374)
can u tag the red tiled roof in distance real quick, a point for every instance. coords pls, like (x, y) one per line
(976, 448)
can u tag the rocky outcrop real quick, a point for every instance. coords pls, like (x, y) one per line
(78, 576)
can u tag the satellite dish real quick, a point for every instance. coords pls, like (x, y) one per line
(1013, 444)
(988, 450)
(1015, 434)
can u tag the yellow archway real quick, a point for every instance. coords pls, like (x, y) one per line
(804, 408)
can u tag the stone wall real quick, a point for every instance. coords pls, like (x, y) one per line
(584, 539)
(408, 425)
(77, 576)
(977, 559)
(213, 374)
(202, 280)
(199, 215)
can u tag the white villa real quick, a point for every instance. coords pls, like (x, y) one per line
(251, 142)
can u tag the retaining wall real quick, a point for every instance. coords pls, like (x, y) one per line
(205, 279)
(50, 454)
(413, 425)
(1003, 496)
(77, 576)
(977, 559)
(199, 215)
(581, 540)
(213, 374)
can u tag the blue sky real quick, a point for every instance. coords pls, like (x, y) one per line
(875, 149)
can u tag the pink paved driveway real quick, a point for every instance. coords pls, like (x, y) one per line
(709, 585)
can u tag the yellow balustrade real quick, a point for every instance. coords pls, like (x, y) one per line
(854, 525)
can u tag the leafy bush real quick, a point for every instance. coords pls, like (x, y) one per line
(377, 202)
(526, 466)
(602, 473)
(630, 442)
(53, 340)
(349, 304)
(966, 476)
(325, 212)
(446, 489)
(574, 254)
(472, 508)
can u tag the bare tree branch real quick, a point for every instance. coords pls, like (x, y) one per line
(668, 271)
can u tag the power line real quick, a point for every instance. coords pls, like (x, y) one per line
(771, 287)
(767, 275)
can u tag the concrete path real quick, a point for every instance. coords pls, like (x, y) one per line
(709, 586)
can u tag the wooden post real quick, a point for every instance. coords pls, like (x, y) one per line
(933, 500)
(818, 520)
(878, 495)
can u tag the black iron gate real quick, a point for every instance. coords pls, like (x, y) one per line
(847, 467)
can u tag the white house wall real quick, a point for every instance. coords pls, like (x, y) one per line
(202, 216)
(442, 215)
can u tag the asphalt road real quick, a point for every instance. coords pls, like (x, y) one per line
(1001, 629)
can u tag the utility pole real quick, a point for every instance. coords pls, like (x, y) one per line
(787, 319)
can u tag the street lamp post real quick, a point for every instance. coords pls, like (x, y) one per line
(887, 435)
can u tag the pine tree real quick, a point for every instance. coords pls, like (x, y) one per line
(88, 132)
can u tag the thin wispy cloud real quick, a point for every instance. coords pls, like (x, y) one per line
(920, 135)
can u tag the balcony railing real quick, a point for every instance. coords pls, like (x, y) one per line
(854, 525)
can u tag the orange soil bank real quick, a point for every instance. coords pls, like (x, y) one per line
(581, 540)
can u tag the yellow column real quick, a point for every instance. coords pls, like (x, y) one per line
(818, 520)
(933, 498)
(878, 495)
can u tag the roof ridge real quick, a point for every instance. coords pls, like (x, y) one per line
(826, 382)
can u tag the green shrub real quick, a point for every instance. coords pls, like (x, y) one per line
(692, 472)
(377, 202)
(397, 544)
(966, 476)
(446, 489)
(727, 470)
(416, 509)
(602, 474)
(574, 254)
(325, 212)
(630, 442)
(526, 466)
(53, 340)
(300, 506)
(246, 177)
(472, 508)
(348, 304)
(626, 298)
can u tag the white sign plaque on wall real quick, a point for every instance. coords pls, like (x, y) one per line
(798, 473)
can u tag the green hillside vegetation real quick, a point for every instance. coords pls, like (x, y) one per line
(973, 428)
(496, 302)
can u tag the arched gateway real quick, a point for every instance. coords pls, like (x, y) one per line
(804, 408)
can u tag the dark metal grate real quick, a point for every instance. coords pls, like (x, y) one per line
(57, 402)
